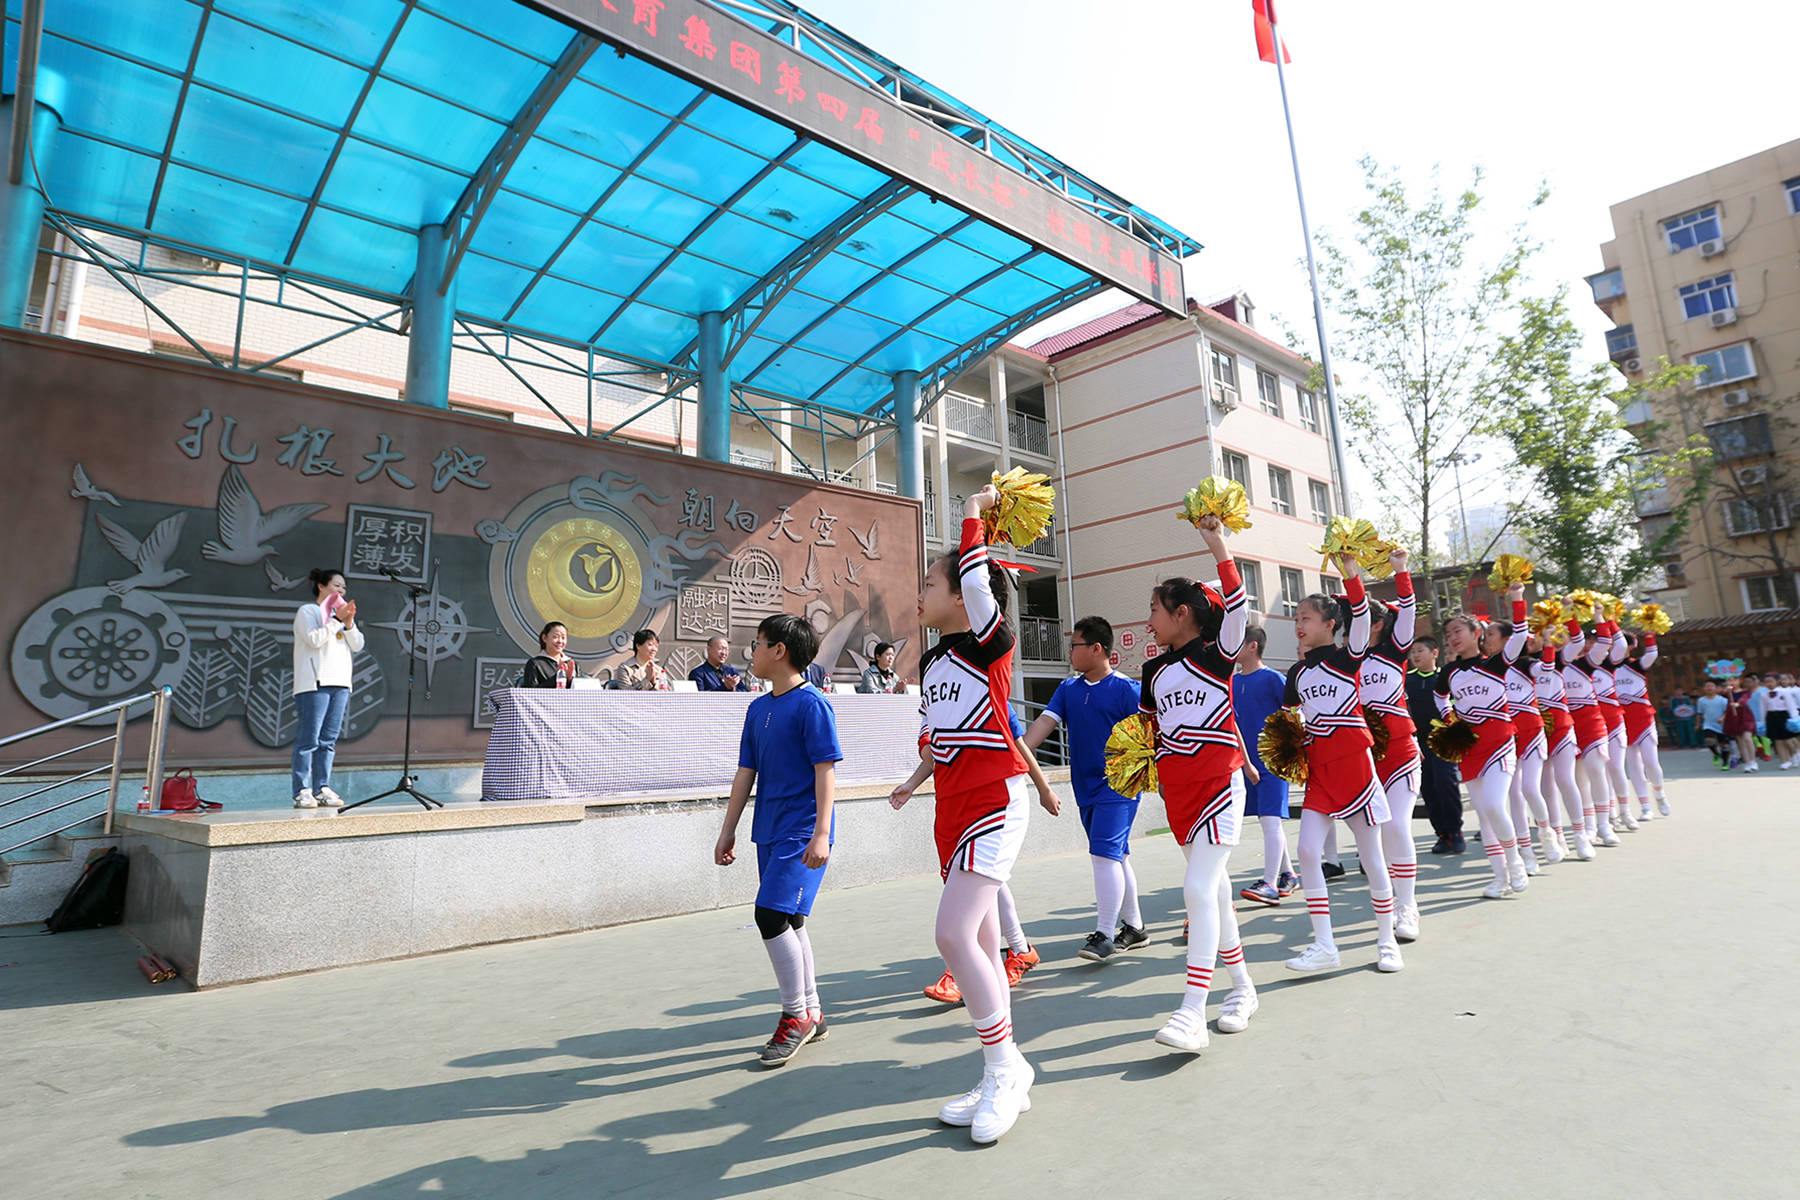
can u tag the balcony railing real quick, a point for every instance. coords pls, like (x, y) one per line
(1028, 433)
(1040, 640)
(969, 416)
(1044, 547)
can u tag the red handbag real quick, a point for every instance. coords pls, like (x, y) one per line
(181, 793)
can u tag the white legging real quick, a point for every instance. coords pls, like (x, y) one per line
(1644, 766)
(968, 936)
(1315, 827)
(1590, 774)
(1559, 772)
(1397, 845)
(1615, 764)
(1489, 792)
(1527, 795)
(1212, 920)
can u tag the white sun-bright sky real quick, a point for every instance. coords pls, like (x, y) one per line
(1165, 103)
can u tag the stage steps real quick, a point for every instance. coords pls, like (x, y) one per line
(33, 881)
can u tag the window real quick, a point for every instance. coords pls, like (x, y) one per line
(1281, 491)
(1759, 514)
(1309, 411)
(1331, 585)
(1321, 501)
(1607, 285)
(1727, 364)
(1293, 590)
(1650, 492)
(1654, 529)
(1708, 296)
(1635, 411)
(1238, 467)
(1765, 592)
(1792, 187)
(1744, 437)
(1251, 573)
(1224, 368)
(1621, 343)
(1699, 226)
(1268, 392)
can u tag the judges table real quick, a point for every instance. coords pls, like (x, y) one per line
(551, 744)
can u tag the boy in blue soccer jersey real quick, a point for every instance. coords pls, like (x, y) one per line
(1087, 705)
(789, 752)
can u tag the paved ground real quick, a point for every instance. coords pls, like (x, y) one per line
(1623, 1029)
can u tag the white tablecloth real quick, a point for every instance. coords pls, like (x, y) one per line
(549, 744)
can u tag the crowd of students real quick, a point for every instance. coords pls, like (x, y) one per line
(1572, 725)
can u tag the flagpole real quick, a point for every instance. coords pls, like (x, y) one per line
(1312, 270)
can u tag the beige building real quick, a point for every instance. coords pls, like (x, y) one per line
(1706, 271)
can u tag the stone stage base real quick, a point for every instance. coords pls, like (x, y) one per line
(238, 896)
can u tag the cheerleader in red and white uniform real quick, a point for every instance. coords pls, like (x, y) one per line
(1527, 795)
(1476, 687)
(1591, 747)
(982, 805)
(1383, 678)
(1613, 713)
(1340, 771)
(1642, 762)
(1559, 736)
(1187, 692)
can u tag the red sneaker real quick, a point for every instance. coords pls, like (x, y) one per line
(1018, 964)
(945, 990)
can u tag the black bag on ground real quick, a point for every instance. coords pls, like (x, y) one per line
(98, 897)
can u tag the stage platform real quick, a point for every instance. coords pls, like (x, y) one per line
(238, 896)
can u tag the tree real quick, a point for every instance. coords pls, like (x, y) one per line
(1416, 311)
(1581, 479)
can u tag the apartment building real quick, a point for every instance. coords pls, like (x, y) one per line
(1706, 271)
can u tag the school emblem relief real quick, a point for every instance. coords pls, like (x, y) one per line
(583, 572)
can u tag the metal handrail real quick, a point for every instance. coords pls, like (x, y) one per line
(158, 702)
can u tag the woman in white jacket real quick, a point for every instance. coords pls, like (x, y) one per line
(325, 638)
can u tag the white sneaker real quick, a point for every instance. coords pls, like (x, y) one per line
(1553, 850)
(1630, 822)
(1519, 878)
(1316, 957)
(1646, 813)
(1406, 923)
(1387, 958)
(1004, 1095)
(960, 1112)
(1184, 1031)
(1607, 836)
(1584, 849)
(1240, 1005)
(1662, 806)
(1531, 863)
(1496, 890)
(329, 799)
(304, 799)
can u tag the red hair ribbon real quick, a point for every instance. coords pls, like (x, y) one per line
(1011, 566)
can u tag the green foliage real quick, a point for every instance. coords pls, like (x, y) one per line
(1416, 307)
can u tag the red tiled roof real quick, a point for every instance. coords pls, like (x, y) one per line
(1112, 322)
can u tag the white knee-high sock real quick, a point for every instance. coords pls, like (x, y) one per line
(1315, 828)
(1397, 846)
(1206, 869)
(1489, 793)
(1129, 911)
(1109, 893)
(789, 960)
(1010, 929)
(1231, 943)
(1381, 891)
(812, 979)
(1275, 850)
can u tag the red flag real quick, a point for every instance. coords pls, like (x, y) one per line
(1265, 32)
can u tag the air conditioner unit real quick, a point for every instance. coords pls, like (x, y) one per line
(1712, 248)
(1633, 366)
(1226, 398)
(1735, 397)
(1751, 476)
(1724, 317)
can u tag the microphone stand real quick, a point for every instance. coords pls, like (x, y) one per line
(406, 786)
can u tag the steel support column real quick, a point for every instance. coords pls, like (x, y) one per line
(714, 433)
(907, 450)
(22, 204)
(433, 331)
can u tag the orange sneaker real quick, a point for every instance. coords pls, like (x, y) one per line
(945, 990)
(1018, 964)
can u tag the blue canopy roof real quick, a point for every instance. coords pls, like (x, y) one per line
(598, 190)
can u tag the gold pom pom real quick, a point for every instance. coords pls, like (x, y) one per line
(1546, 621)
(1584, 604)
(1216, 496)
(1508, 570)
(1357, 538)
(1451, 740)
(1282, 745)
(1131, 756)
(1023, 514)
(1378, 730)
(1652, 619)
(1611, 607)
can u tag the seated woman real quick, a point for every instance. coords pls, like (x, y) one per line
(878, 677)
(553, 668)
(643, 673)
